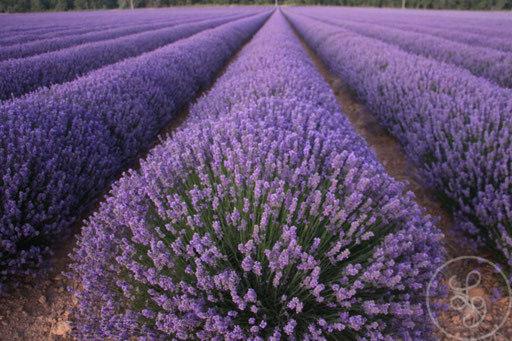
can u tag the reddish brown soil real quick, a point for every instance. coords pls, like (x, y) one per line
(39, 309)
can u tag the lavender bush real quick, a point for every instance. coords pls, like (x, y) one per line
(19, 76)
(40, 46)
(497, 40)
(265, 217)
(61, 147)
(474, 28)
(20, 29)
(455, 127)
(491, 64)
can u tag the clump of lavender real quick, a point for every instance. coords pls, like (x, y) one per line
(61, 147)
(265, 218)
(455, 127)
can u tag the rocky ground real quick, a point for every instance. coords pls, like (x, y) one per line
(40, 309)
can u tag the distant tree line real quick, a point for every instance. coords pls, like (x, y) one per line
(428, 4)
(65, 5)
(425, 4)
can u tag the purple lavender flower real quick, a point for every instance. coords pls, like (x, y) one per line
(270, 133)
(455, 127)
(61, 147)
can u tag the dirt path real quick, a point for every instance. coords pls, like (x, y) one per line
(40, 309)
(390, 154)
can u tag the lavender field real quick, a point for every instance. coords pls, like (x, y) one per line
(256, 173)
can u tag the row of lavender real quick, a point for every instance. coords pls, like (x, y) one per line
(21, 33)
(113, 30)
(46, 22)
(456, 25)
(51, 25)
(498, 38)
(456, 128)
(61, 147)
(20, 47)
(265, 217)
(489, 63)
(20, 76)
(39, 46)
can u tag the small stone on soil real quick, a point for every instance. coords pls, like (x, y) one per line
(61, 328)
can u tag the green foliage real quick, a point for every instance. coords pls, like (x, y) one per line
(15, 5)
(81, 4)
(426, 4)
(36, 6)
(63, 5)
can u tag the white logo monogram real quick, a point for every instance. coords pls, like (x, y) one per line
(467, 304)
